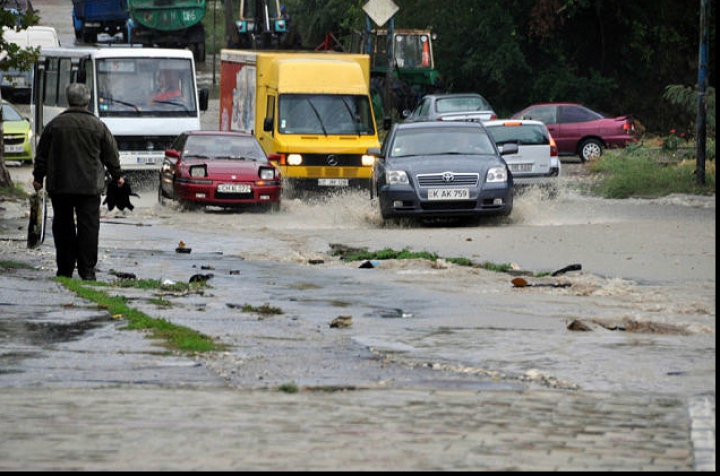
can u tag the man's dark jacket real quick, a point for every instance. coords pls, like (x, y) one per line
(74, 150)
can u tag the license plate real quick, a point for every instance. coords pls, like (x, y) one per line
(13, 149)
(521, 167)
(139, 158)
(233, 188)
(448, 194)
(333, 182)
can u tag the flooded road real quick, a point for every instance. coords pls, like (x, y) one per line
(645, 293)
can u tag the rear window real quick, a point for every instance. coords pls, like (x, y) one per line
(520, 135)
(462, 104)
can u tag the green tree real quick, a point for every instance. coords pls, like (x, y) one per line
(12, 56)
(613, 55)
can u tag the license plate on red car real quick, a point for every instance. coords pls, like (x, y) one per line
(233, 188)
(448, 194)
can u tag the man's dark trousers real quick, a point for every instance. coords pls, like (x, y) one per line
(76, 230)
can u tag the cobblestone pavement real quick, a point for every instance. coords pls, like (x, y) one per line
(129, 428)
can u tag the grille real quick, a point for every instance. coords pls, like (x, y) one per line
(447, 205)
(156, 143)
(332, 160)
(438, 180)
(234, 196)
(13, 139)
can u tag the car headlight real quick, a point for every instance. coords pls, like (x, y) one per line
(496, 174)
(198, 171)
(396, 177)
(267, 174)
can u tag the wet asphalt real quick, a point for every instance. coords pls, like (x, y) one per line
(79, 393)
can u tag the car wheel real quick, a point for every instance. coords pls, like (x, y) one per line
(191, 206)
(385, 210)
(161, 196)
(590, 149)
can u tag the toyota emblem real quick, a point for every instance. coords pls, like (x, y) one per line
(448, 177)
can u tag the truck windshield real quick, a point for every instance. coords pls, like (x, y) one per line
(339, 114)
(145, 87)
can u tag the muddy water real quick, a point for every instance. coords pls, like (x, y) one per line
(646, 288)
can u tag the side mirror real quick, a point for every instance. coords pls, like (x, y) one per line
(203, 96)
(268, 124)
(375, 151)
(509, 148)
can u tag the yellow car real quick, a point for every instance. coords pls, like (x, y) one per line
(17, 135)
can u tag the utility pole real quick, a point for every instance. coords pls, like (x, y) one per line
(701, 132)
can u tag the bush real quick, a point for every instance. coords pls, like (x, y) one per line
(645, 173)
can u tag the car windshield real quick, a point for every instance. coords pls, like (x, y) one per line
(223, 148)
(9, 113)
(423, 142)
(460, 104)
(521, 135)
(325, 114)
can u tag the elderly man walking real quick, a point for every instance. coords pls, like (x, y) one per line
(75, 151)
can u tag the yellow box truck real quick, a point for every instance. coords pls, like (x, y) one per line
(311, 111)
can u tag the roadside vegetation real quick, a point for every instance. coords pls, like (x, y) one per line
(645, 173)
(174, 337)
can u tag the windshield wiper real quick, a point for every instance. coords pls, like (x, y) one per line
(317, 114)
(352, 116)
(117, 101)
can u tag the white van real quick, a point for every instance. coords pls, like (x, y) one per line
(16, 84)
(36, 36)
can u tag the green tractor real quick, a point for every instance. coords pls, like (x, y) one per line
(412, 65)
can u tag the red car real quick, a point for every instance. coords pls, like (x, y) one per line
(220, 169)
(581, 131)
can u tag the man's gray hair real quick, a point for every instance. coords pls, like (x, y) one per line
(77, 94)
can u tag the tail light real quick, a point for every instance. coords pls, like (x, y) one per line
(553, 147)
(629, 127)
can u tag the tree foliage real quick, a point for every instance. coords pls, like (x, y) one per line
(18, 58)
(613, 55)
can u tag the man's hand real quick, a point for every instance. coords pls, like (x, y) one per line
(37, 185)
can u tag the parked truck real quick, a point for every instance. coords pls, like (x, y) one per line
(311, 111)
(93, 18)
(168, 24)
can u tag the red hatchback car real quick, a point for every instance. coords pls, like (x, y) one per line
(220, 169)
(581, 131)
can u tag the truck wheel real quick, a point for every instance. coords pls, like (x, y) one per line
(89, 37)
(201, 52)
(198, 51)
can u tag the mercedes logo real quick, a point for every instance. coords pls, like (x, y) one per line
(448, 177)
(332, 160)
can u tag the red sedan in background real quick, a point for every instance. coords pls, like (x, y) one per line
(580, 131)
(221, 169)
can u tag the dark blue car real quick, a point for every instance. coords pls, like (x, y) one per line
(437, 169)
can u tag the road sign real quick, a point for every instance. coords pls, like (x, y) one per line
(380, 11)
